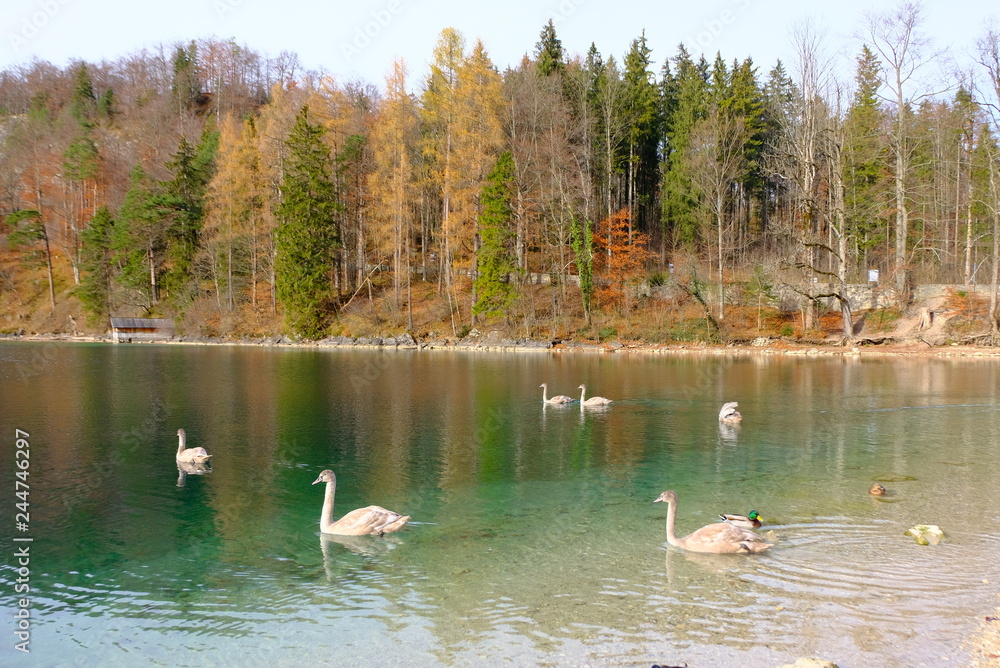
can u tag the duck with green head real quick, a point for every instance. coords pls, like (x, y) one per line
(751, 521)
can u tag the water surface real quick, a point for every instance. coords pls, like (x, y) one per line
(534, 538)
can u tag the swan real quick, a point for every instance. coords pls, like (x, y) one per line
(593, 401)
(558, 399)
(361, 522)
(751, 521)
(190, 455)
(729, 414)
(720, 538)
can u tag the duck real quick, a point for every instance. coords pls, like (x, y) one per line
(729, 414)
(373, 520)
(593, 401)
(722, 538)
(187, 455)
(558, 399)
(876, 489)
(753, 520)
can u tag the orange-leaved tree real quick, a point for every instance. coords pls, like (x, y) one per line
(618, 259)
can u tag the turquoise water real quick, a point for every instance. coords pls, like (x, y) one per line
(534, 539)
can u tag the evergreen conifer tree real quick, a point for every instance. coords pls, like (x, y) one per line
(306, 235)
(496, 259)
(95, 286)
(549, 51)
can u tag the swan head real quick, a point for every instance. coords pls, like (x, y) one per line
(669, 496)
(325, 476)
(581, 387)
(181, 433)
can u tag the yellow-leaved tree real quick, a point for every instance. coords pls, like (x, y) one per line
(233, 236)
(392, 182)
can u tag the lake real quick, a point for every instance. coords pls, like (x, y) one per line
(534, 539)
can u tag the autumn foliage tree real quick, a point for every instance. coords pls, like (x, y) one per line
(620, 257)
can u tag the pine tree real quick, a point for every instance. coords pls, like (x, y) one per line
(678, 200)
(865, 155)
(496, 261)
(98, 269)
(83, 104)
(186, 84)
(192, 168)
(642, 110)
(478, 138)
(779, 94)
(549, 56)
(307, 235)
(139, 238)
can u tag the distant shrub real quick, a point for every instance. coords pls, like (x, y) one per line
(883, 319)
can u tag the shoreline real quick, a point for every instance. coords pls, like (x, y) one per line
(492, 343)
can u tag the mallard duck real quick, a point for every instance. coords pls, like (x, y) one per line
(722, 538)
(558, 399)
(361, 522)
(729, 414)
(751, 521)
(593, 401)
(876, 489)
(190, 455)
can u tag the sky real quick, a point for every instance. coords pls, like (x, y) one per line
(360, 39)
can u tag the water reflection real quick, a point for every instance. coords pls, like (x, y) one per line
(184, 469)
(537, 542)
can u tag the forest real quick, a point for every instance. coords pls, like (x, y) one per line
(576, 195)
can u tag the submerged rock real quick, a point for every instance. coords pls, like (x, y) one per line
(925, 534)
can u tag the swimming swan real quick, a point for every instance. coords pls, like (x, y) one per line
(190, 455)
(558, 399)
(593, 401)
(361, 522)
(722, 538)
(729, 414)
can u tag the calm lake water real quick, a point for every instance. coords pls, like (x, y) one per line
(534, 540)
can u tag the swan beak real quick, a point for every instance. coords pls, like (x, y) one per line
(320, 479)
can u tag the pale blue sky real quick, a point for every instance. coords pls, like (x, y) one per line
(360, 39)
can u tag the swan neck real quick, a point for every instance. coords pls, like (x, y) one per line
(545, 394)
(671, 516)
(583, 391)
(326, 516)
(180, 443)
